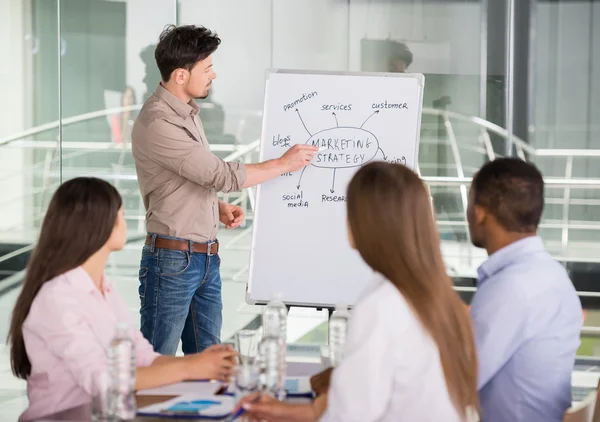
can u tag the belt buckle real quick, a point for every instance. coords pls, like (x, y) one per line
(208, 249)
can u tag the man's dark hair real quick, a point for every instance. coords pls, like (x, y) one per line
(181, 47)
(512, 190)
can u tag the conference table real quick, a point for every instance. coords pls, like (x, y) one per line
(83, 413)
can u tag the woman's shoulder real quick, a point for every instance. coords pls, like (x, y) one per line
(56, 295)
(68, 282)
(382, 293)
(382, 303)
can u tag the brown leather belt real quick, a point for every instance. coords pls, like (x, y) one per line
(182, 245)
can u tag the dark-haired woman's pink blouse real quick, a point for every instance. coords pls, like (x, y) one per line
(67, 333)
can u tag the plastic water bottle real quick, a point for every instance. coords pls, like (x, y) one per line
(121, 369)
(338, 328)
(275, 318)
(273, 347)
(271, 379)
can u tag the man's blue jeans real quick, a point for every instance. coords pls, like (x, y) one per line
(180, 295)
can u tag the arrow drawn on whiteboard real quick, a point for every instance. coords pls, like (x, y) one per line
(309, 134)
(336, 120)
(383, 153)
(301, 174)
(333, 183)
(376, 112)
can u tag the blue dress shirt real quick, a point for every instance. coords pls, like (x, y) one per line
(527, 320)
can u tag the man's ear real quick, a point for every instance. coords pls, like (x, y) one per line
(480, 213)
(179, 76)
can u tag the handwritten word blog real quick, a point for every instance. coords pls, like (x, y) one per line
(281, 141)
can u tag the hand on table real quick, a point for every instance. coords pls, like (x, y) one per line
(269, 409)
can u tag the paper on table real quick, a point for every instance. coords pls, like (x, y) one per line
(298, 386)
(294, 386)
(188, 387)
(192, 404)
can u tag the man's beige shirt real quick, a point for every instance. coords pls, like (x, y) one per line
(178, 175)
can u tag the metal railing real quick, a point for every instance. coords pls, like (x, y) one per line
(482, 146)
(67, 122)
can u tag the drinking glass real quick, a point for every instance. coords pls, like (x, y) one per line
(101, 398)
(247, 346)
(245, 380)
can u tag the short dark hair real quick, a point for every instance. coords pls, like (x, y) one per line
(181, 47)
(512, 190)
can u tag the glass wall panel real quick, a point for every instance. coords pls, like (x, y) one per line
(29, 81)
(89, 64)
(29, 154)
(107, 70)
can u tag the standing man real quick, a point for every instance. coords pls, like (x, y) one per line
(526, 314)
(179, 177)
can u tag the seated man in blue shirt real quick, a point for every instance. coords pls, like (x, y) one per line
(526, 314)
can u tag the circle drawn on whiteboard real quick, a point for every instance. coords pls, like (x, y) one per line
(342, 147)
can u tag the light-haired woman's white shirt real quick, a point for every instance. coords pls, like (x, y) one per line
(391, 369)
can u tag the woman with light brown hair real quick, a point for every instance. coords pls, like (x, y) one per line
(410, 354)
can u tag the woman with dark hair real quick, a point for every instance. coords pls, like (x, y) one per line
(67, 311)
(410, 354)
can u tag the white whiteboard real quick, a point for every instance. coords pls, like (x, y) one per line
(299, 245)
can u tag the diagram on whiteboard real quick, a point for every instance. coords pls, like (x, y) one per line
(342, 147)
(349, 130)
